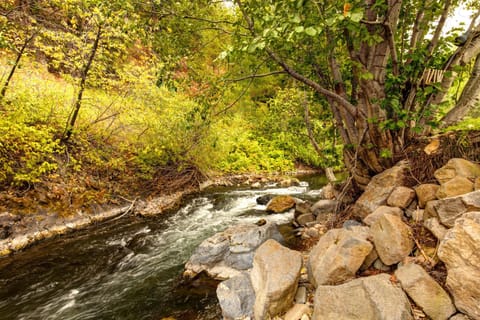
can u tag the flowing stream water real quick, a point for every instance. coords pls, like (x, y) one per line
(128, 268)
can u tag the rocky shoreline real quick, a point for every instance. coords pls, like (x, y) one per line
(411, 252)
(18, 232)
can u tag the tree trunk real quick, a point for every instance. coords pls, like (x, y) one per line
(78, 103)
(469, 98)
(15, 65)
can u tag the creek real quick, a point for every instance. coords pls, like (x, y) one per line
(130, 268)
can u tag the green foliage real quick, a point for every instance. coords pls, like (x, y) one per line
(282, 123)
(27, 152)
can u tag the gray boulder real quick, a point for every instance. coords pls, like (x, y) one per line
(372, 298)
(236, 297)
(392, 238)
(226, 253)
(275, 274)
(460, 251)
(425, 292)
(338, 255)
(379, 189)
(450, 209)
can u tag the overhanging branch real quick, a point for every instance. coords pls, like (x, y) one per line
(254, 76)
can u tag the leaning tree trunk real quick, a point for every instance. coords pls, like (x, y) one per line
(78, 103)
(469, 98)
(16, 64)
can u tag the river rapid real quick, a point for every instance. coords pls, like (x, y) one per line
(129, 268)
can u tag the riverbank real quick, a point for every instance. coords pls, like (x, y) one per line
(20, 231)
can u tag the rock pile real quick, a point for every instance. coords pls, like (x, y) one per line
(368, 270)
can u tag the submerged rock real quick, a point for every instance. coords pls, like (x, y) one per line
(226, 253)
(265, 199)
(280, 204)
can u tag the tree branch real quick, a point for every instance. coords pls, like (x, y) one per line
(438, 30)
(254, 76)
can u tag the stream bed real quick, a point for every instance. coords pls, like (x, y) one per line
(129, 268)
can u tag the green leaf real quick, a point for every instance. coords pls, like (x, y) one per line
(296, 19)
(311, 31)
(356, 16)
(299, 29)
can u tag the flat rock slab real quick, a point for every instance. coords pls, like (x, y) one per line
(372, 298)
(425, 292)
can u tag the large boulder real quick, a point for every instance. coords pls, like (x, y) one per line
(450, 209)
(392, 238)
(457, 167)
(379, 189)
(236, 297)
(455, 187)
(280, 204)
(425, 292)
(275, 275)
(226, 253)
(373, 298)
(338, 255)
(426, 192)
(401, 197)
(380, 211)
(460, 251)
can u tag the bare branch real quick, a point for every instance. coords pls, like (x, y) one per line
(350, 108)
(254, 76)
(438, 30)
